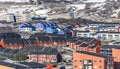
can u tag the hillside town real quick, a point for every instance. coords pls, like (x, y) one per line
(59, 34)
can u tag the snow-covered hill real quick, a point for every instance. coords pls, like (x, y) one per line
(104, 8)
(99, 10)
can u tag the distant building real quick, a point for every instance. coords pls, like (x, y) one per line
(108, 28)
(83, 34)
(27, 29)
(7, 17)
(104, 35)
(23, 17)
(97, 24)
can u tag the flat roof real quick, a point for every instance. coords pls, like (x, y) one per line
(94, 54)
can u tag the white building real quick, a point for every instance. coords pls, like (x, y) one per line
(83, 34)
(109, 35)
(7, 17)
(25, 29)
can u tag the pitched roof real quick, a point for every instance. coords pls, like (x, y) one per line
(109, 46)
(93, 41)
(29, 41)
(78, 43)
(82, 39)
(44, 38)
(33, 36)
(58, 38)
(84, 44)
(33, 64)
(93, 47)
(16, 66)
(9, 35)
(39, 50)
(13, 41)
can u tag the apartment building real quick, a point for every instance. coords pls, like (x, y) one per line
(95, 61)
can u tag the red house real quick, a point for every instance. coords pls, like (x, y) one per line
(50, 39)
(59, 40)
(44, 41)
(85, 44)
(11, 43)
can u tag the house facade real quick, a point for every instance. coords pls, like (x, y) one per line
(116, 55)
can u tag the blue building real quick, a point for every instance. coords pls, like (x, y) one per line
(27, 27)
(40, 26)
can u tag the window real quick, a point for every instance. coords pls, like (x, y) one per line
(79, 35)
(95, 61)
(104, 36)
(75, 66)
(75, 60)
(85, 35)
(80, 60)
(87, 67)
(100, 61)
(87, 64)
(116, 37)
(110, 37)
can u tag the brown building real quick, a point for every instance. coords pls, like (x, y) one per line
(116, 55)
(88, 60)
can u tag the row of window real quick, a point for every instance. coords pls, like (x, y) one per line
(106, 50)
(88, 67)
(87, 61)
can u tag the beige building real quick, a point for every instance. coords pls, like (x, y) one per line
(7, 17)
(23, 17)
